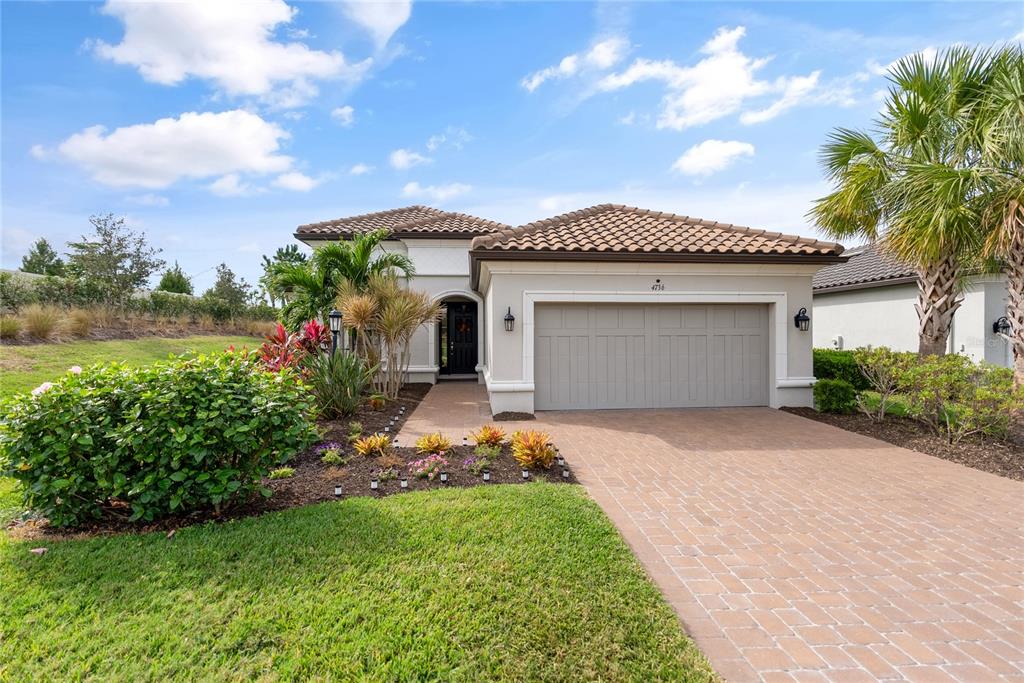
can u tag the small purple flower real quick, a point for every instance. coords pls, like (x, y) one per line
(328, 446)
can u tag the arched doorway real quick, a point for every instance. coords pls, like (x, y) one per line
(458, 337)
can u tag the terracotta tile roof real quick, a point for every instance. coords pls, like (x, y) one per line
(407, 221)
(616, 230)
(867, 266)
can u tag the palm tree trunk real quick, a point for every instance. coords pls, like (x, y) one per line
(937, 301)
(1015, 297)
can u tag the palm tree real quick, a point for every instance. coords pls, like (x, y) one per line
(874, 197)
(310, 288)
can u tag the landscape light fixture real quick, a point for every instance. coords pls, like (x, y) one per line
(526, 474)
(403, 482)
(337, 490)
(334, 318)
(395, 442)
(510, 320)
(565, 473)
(374, 484)
(1002, 326)
(561, 460)
(487, 475)
(465, 441)
(387, 429)
(802, 320)
(444, 477)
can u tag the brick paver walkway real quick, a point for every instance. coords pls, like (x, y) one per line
(792, 550)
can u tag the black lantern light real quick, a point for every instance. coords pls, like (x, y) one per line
(510, 320)
(444, 477)
(334, 318)
(526, 474)
(403, 482)
(337, 490)
(487, 475)
(802, 320)
(1002, 326)
(374, 484)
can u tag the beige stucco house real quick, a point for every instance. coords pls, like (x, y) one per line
(607, 307)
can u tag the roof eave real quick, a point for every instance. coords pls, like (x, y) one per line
(478, 255)
(870, 284)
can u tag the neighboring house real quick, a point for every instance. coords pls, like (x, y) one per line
(870, 301)
(607, 307)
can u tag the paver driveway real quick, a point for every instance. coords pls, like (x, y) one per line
(792, 550)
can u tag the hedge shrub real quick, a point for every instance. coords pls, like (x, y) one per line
(186, 434)
(833, 364)
(834, 396)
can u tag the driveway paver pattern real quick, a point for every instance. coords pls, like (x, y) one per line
(795, 551)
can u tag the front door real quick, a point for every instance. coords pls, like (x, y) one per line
(460, 331)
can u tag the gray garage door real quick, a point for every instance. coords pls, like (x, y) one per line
(650, 356)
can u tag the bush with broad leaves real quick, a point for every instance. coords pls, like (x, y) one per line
(189, 433)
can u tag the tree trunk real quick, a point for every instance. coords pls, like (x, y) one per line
(1015, 297)
(937, 301)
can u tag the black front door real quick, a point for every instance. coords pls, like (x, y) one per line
(460, 337)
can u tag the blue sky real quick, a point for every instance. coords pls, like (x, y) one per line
(217, 128)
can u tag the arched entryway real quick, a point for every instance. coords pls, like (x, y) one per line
(458, 336)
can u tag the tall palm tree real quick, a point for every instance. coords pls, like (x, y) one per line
(310, 288)
(920, 127)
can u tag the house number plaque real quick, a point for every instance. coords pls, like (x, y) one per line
(658, 286)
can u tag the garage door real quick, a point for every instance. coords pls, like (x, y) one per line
(650, 356)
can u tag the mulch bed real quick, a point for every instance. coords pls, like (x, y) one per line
(314, 481)
(1004, 458)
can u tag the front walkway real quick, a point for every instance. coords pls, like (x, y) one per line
(792, 550)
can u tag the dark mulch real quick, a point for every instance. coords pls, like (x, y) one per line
(1004, 458)
(314, 481)
(509, 416)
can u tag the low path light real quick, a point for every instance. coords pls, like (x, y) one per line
(337, 490)
(374, 484)
(403, 482)
(526, 474)
(444, 477)
(487, 475)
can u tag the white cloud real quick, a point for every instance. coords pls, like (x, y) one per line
(711, 156)
(797, 89)
(40, 153)
(629, 119)
(155, 155)
(360, 169)
(716, 86)
(452, 136)
(298, 182)
(437, 193)
(230, 44)
(345, 116)
(380, 18)
(149, 199)
(404, 159)
(602, 55)
(928, 54)
(230, 185)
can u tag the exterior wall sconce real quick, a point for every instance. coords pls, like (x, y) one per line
(334, 318)
(1002, 326)
(801, 320)
(510, 320)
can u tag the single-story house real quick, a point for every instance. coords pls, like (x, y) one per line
(869, 301)
(608, 307)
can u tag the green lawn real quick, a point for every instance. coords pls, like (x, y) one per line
(527, 582)
(22, 368)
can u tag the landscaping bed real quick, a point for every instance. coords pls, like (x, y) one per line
(1003, 458)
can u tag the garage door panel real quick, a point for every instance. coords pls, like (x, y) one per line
(637, 356)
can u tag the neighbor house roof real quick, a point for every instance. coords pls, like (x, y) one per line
(410, 221)
(611, 230)
(866, 267)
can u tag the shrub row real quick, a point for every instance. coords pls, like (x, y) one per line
(951, 394)
(18, 291)
(832, 364)
(180, 435)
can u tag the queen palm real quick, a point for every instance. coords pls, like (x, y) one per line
(921, 127)
(310, 288)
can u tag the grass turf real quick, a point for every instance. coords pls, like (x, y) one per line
(26, 367)
(526, 582)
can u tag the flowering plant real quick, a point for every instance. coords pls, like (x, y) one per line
(330, 453)
(428, 467)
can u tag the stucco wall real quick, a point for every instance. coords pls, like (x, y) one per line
(786, 288)
(885, 316)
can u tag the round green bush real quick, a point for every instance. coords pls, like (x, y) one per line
(834, 364)
(834, 396)
(189, 433)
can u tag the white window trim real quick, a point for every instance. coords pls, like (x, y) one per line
(778, 317)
